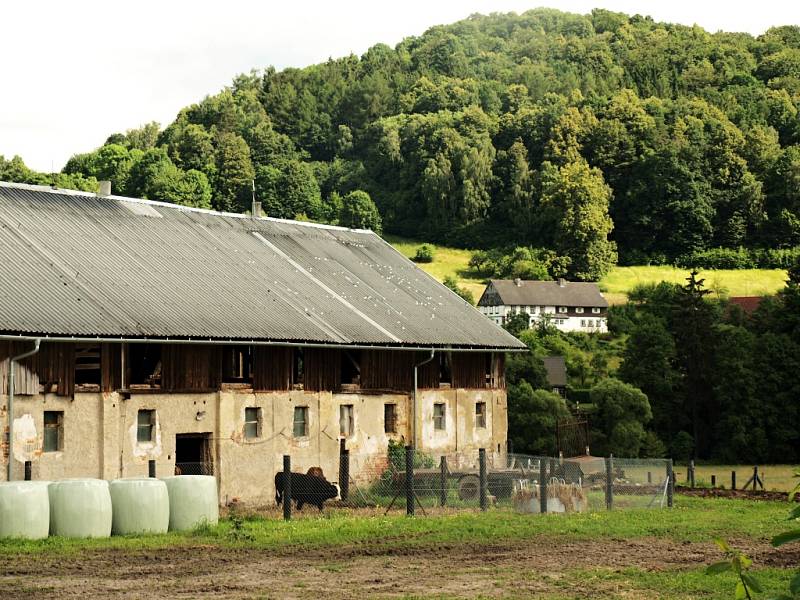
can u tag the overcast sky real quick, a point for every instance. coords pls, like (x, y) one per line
(74, 72)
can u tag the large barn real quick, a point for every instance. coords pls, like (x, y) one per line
(216, 343)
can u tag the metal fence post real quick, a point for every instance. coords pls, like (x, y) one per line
(443, 481)
(610, 482)
(482, 471)
(670, 483)
(151, 468)
(27, 470)
(733, 480)
(542, 486)
(344, 470)
(287, 487)
(410, 481)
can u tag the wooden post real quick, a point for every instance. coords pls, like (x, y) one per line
(443, 481)
(542, 486)
(755, 478)
(691, 473)
(733, 480)
(151, 468)
(670, 483)
(410, 481)
(483, 478)
(649, 477)
(713, 481)
(344, 471)
(287, 487)
(610, 482)
(27, 470)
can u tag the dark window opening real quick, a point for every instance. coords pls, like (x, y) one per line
(298, 366)
(390, 418)
(144, 364)
(300, 425)
(445, 368)
(351, 367)
(87, 365)
(252, 422)
(145, 425)
(237, 364)
(193, 454)
(480, 415)
(439, 417)
(53, 431)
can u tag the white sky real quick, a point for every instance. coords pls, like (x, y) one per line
(74, 72)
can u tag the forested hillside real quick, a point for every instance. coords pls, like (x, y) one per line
(593, 136)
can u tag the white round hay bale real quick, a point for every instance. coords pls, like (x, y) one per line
(193, 501)
(80, 508)
(139, 506)
(24, 509)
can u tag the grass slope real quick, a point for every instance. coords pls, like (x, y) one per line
(616, 285)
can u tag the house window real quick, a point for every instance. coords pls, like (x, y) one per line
(346, 420)
(595, 310)
(390, 418)
(300, 428)
(583, 322)
(145, 423)
(53, 431)
(252, 422)
(480, 415)
(579, 310)
(598, 323)
(438, 416)
(562, 309)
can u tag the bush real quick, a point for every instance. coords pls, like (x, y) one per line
(424, 254)
(451, 283)
(740, 258)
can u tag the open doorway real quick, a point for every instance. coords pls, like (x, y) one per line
(193, 455)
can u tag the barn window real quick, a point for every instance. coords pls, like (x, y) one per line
(439, 416)
(480, 415)
(236, 364)
(298, 366)
(390, 418)
(445, 368)
(346, 424)
(300, 428)
(53, 431)
(87, 365)
(144, 362)
(252, 422)
(145, 424)
(350, 370)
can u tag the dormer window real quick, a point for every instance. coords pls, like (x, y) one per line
(579, 310)
(595, 310)
(562, 309)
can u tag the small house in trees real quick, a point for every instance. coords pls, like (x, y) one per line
(567, 305)
(555, 368)
(152, 335)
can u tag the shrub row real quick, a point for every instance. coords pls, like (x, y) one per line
(741, 258)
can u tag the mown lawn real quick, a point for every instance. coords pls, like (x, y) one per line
(615, 285)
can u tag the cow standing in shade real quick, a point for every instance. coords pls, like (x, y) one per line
(306, 489)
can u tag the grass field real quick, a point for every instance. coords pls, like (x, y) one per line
(499, 554)
(778, 478)
(616, 285)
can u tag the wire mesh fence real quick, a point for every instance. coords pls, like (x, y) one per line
(421, 482)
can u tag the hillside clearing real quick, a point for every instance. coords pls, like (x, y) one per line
(615, 285)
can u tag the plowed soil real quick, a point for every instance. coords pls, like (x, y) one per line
(530, 569)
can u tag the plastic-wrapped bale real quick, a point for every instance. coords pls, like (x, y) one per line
(24, 509)
(193, 501)
(139, 506)
(80, 508)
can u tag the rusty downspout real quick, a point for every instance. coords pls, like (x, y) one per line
(11, 362)
(414, 400)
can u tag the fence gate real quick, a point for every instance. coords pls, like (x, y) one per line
(572, 437)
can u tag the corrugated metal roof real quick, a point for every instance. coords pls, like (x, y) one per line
(81, 265)
(546, 293)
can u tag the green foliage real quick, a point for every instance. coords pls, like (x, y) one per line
(521, 262)
(359, 211)
(424, 254)
(451, 283)
(532, 418)
(621, 412)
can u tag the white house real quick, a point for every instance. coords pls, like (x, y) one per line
(568, 305)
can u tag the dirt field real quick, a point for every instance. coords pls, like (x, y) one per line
(535, 568)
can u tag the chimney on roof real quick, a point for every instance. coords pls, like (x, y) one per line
(255, 212)
(103, 188)
(562, 282)
(518, 282)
